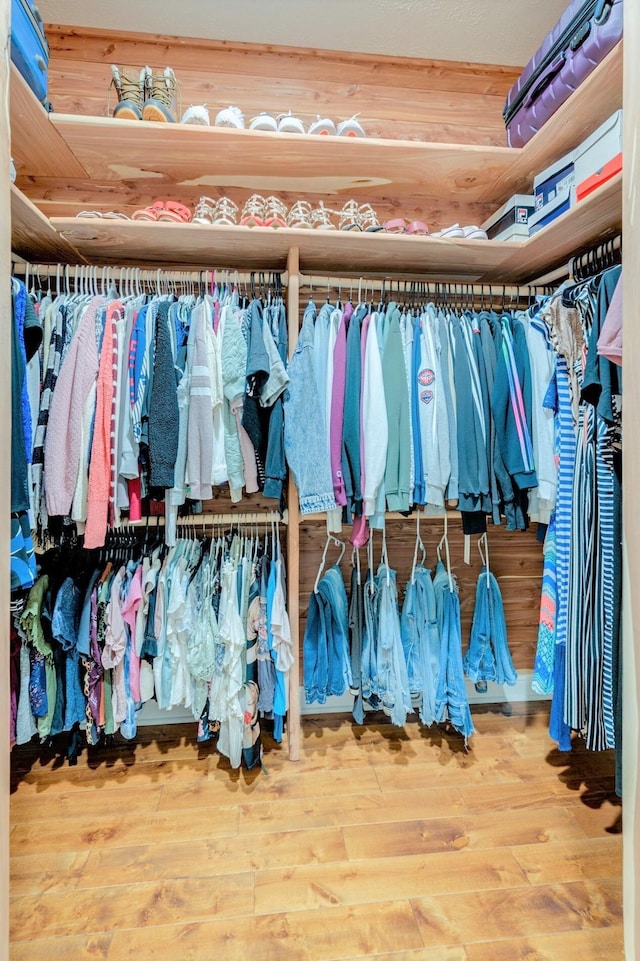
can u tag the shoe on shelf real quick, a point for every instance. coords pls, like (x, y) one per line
(287, 123)
(225, 212)
(275, 212)
(160, 99)
(418, 228)
(197, 114)
(322, 125)
(204, 210)
(253, 212)
(350, 128)
(230, 117)
(130, 92)
(172, 212)
(474, 233)
(264, 121)
(321, 219)
(368, 220)
(350, 216)
(300, 215)
(450, 233)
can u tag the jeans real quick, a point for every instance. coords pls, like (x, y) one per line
(451, 695)
(421, 642)
(393, 682)
(327, 669)
(488, 657)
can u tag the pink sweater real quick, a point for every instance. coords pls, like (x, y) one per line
(101, 447)
(62, 449)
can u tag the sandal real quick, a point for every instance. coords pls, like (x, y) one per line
(417, 227)
(368, 220)
(321, 218)
(145, 213)
(350, 216)
(224, 212)
(172, 211)
(253, 211)
(397, 226)
(275, 213)
(203, 211)
(300, 215)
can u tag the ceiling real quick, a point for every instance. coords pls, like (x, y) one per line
(481, 31)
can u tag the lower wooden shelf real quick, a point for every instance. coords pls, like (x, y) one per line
(350, 253)
(34, 238)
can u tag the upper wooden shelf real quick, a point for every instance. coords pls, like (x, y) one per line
(347, 252)
(171, 156)
(164, 157)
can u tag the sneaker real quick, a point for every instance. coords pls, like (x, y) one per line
(350, 128)
(196, 114)
(287, 123)
(322, 125)
(130, 93)
(264, 121)
(160, 102)
(230, 117)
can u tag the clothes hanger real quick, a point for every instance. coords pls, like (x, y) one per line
(330, 539)
(444, 541)
(483, 548)
(418, 546)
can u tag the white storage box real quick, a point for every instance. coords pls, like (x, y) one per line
(511, 221)
(602, 146)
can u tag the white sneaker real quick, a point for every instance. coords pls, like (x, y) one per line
(230, 117)
(264, 121)
(287, 123)
(322, 125)
(196, 114)
(350, 128)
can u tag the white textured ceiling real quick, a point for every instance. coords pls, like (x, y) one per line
(481, 31)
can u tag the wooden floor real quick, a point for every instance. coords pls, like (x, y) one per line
(386, 844)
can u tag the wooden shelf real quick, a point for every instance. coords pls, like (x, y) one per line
(36, 146)
(591, 220)
(171, 156)
(33, 237)
(348, 252)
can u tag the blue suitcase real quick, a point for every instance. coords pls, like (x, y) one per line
(29, 48)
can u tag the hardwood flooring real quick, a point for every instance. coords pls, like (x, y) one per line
(381, 843)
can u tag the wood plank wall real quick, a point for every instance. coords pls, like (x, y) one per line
(515, 559)
(395, 98)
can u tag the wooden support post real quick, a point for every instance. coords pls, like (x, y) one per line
(5, 477)
(293, 530)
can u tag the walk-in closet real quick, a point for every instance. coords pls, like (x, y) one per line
(320, 592)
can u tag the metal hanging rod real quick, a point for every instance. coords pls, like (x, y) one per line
(70, 273)
(402, 288)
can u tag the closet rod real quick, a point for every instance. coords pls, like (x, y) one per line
(319, 282)
(148, 274)
(210, 520)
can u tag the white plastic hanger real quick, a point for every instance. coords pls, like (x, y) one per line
(330, 539)
(419, 546)
(444, 541)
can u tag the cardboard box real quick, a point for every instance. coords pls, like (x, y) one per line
(511, 221)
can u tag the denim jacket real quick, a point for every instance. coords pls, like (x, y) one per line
(304, 427)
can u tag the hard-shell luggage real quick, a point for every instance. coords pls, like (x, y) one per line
(586, 32)
(29, 48)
